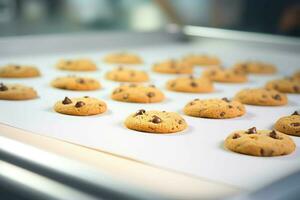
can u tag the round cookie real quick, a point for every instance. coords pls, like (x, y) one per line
(289, 124)
(214, 108)
(156, 122)
(287, 85)
(260, 142)
(18, 71)
(137, 94)
(76, 65)
(123, 58)
(80, 106)
(76, 83)
(255, 67)
(16, 92)
(173, 67)
(225, 75)
(122, 74)
(202, 60)
(190, 84)
(261, 97)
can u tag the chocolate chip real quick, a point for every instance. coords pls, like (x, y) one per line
(275, 86)
(191, 77)
(296, 88)
(264, 96)
(196, 99)
(225, 99)
(125, 96)
(3, 87)
(117, 90)
(140, 112)
(235, 136)
(273, 134)
(66, 101)
(120, 68)
(79, 104)
(81, 81)
(68, 62)
(86, 96)
(251, 130)
(295, 113)
(222, 114)
(213, 72)
(230, 106)
(17, 67)
(153, 86)
(156, 119)
(277, 97)
(150, 94)
(295, 124)
(173, 84)
(180, 122)
(194, 84)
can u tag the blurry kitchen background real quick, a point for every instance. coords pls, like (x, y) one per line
(26, 17)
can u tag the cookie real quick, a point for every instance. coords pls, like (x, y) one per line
(289, 124)
(122, 74)
(76, 83)
(261, 97)
(16, 92)
(137, 94)
(255, 67)
(260, 142)
(202, 60)
(214, 108)
(190, 84)
(225, 75)
(286, 85)
(156, 122)
(83, 106)
(173, 67)
(19, 71)
(123, 58)
(76, 65)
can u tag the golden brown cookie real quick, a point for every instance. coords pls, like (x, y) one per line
(155, 122)
(123, 58)
(190, 84)
(286, 85)
(289, 124)
(137, 94)
(83, 106)
(173, 67)
(214, 108)
(76, 83)
(122, 74)
(77, 65)
(16, 92)
(19, 71)
(202, 60)
(261, 97)
(225, 75)
(260, 142)
(255, 67)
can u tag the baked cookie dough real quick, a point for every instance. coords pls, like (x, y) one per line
(137, 94)
(77, 65)
(289, 124)
(202, 60)
(76, 83)
(122, 74)
(225, 75)
(190, 84)
(286, 85)
(260, 142)
(16, 92)
(214, 108)
(173, 67)
(123, 58)
(255, 67)
(155, 122)
(83, 106)
(261, 97)
(18, 71)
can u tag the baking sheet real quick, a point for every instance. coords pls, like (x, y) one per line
(197, 151)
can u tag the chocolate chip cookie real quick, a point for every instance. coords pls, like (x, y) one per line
(255, 67)
(173, 67)
(16, 92)
(77, 65)
(19, 71)
(123, 74)
(225, 75)
(261, 97)
(286, 85)
(260, 142)
(80, 106)
(190, 84)
(289, 124)
(202, 60)
(76, 83)
(214, 108)
(156, 122)
(137, 94)
(123, 58)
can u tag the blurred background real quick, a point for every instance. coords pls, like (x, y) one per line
(27, 17)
